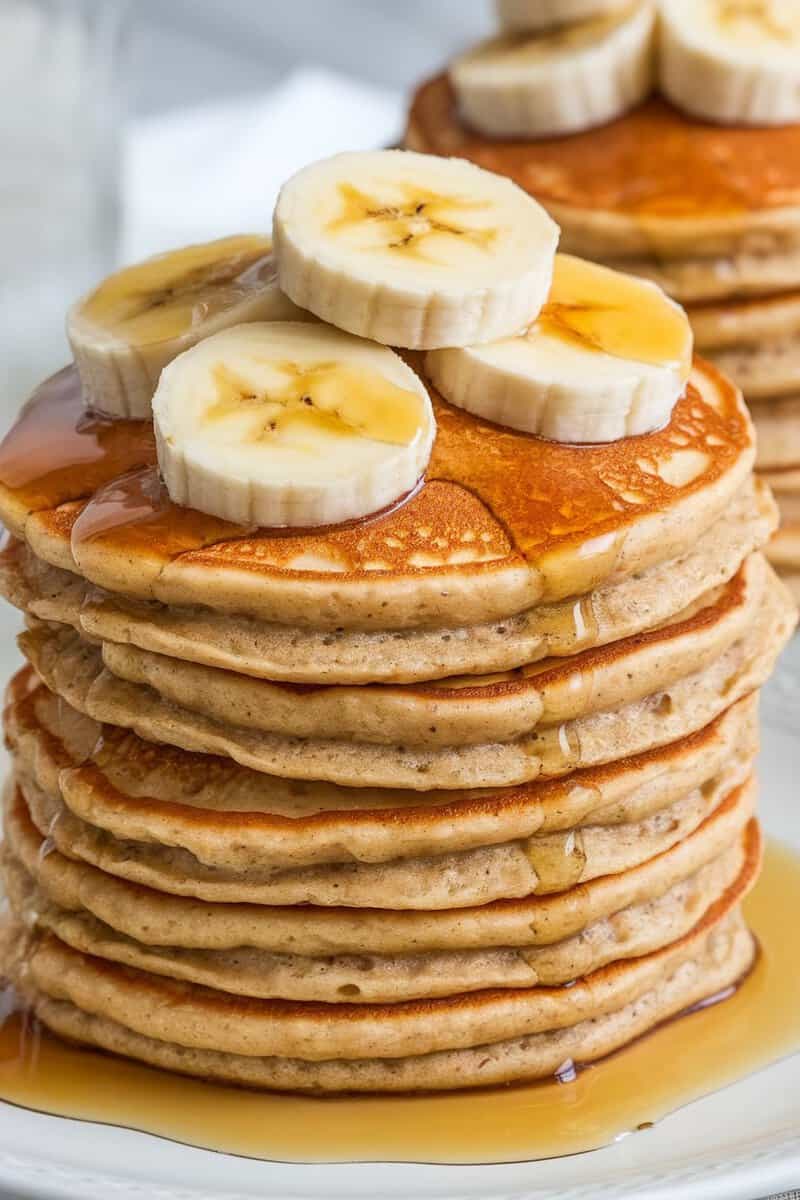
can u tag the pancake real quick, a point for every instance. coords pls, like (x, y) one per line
(202, 1018)
(171, 1024)
(536, 1057)
(755, 341)
(74, 670)
(695, 280)
(545, 863)
(749, 322)
(784, 550)
(654, 182)
(245, 971)
(778, 426)
(785, 545)
(251, 647)
(770, 370)
(784, 481)
(460, 793)
(158, 919)
(791, 581)
(227, 816)
(473, 544)
(464, 710)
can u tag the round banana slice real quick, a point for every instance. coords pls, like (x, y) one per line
(733, 61)
(413, 250)
(290, 424)
(525, 15)
(136, 321)
(561, 80)
(608, 358)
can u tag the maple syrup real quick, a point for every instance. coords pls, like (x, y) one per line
(713, 1046)
(134, 512)
(566, 508)
(613, 313)
(59, 450)
(172, 293)
(558, 859)
(569, 508)
(653, 162)
(335, 398)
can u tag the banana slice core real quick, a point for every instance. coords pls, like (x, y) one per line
(285, 424)
(608, 357)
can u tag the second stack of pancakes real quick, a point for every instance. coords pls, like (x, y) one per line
(457, 795)
(711, 212)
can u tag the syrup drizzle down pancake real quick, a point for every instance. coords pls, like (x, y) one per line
(502, 521)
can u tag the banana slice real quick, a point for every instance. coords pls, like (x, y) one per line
(413, 250)
(126, 330)
(290, 424)
(526, 15)
(561, 80)
(733, 61)
(608, 358)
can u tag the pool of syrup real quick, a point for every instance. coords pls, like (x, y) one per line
(687, 1058)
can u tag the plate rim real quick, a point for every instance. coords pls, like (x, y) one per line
(64, 1181)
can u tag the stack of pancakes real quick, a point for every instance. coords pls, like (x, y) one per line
(459, 794)
(710, 212)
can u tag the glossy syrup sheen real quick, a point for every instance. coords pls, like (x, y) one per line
(653, 162)
(682, 1061)
(57, 450)
(170, 294)
(613, 313)
(336, 398)
(490, 494)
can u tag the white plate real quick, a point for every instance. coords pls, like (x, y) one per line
(740, 1144)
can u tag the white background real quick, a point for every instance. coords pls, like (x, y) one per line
(191, 51)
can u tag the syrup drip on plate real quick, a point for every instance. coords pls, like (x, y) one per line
(715, 1045)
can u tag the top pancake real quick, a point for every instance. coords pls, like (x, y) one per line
(656, 181)
(501, 521)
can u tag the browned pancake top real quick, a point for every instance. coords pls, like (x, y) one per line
(490, 496)
(655, 161)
